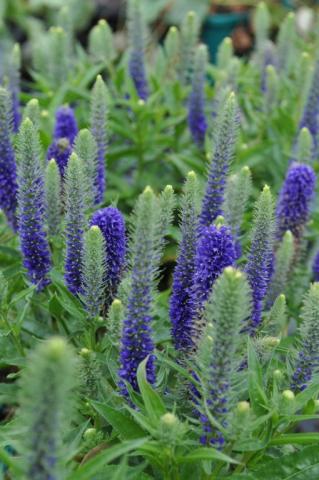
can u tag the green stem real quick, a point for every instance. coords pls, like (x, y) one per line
(140, 150)
(248, 456)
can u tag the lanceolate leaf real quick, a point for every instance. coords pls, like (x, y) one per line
(302, 465)
(153, 403)
(255, 382)
(121, 422)
(97, 463)
(205, 454)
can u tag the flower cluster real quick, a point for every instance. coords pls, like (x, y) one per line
(215, 251)
(64, 135)
(294, 200)
(112, 225)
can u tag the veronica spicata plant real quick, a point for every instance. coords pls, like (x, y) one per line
(182, 301)
(294, 200)
(188, 41)
(8, 180)
(45, 392)
(227, 308)
(85, 147)
(136, 32)
(74, 223)
(223, 153)
(98, 126)
(150, 216)
(259, 264)
(307, 362)
(32, 207)
(93, 271)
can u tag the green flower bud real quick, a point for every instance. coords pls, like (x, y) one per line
(243, 407)
(288, 395)
(169, 420)
(89, 433)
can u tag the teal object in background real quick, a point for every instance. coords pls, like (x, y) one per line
(292, 3)
(288, 3)
(218, 26)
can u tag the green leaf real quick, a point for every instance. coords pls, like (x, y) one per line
(205, 453)
(303, 397)
(295, 439)
(152, 401)
(70, 303)
(257, 394)
(249, 445)
(302, 465)
(97, 463)
(26, 293)
(298, 418)
(143, 421)
(122, 423)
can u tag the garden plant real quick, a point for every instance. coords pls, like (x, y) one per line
(159, 265)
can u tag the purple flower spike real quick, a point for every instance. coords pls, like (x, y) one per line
(60, 150)
(215, 251)
(8, 180)
(75, 224)
(224, 149)
(136, 340)
(294, 200)
(138, 74)
(31, 207)
(196, 113)
(112, 225)
(98, 122)
(65, 131)
(182, 305)
(260, 260)
(136, 64)
(65, 124)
